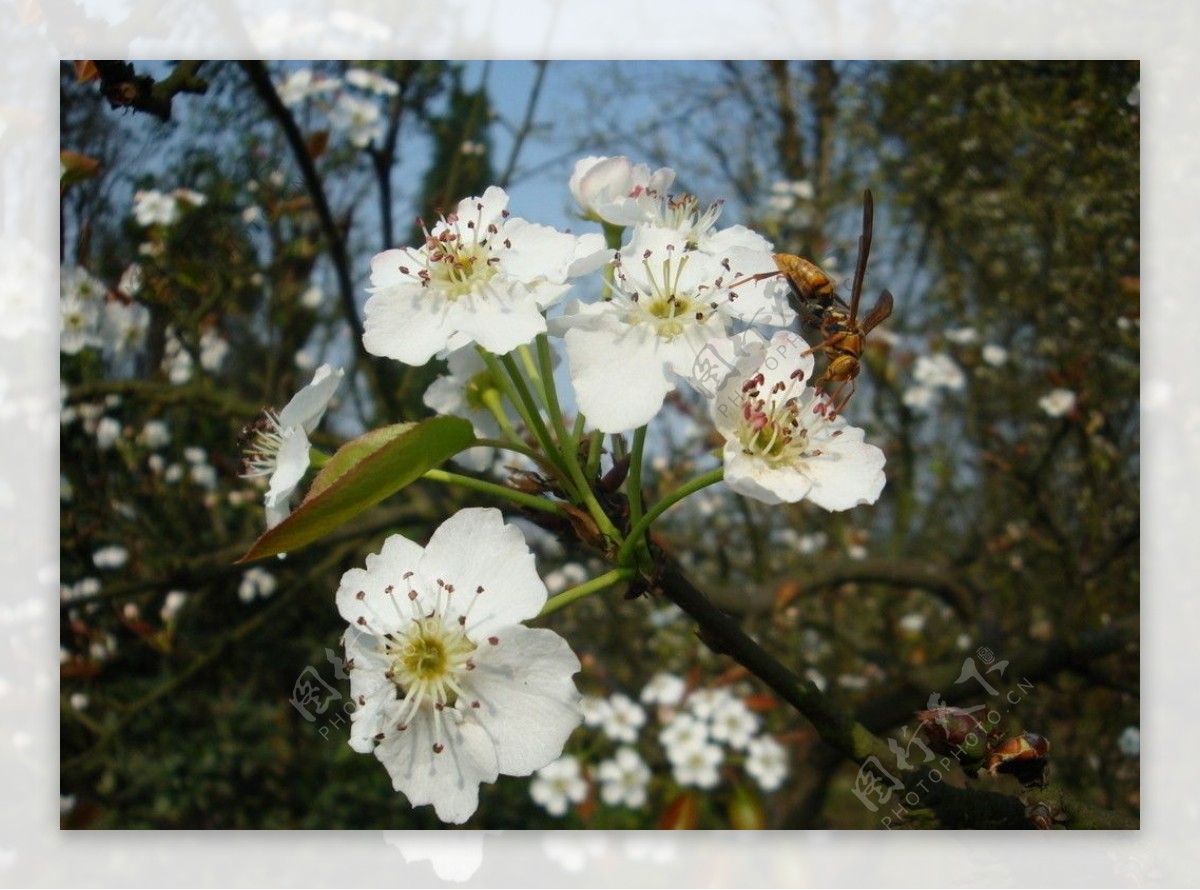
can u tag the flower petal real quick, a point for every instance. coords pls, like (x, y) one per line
(448, 779)
(474, 549)
(362, 597)
(527, 700)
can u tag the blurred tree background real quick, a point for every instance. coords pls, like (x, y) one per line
(1004, 389)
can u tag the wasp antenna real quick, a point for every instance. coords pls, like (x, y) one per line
(864, 251)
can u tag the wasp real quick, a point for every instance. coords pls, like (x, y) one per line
(845, 336)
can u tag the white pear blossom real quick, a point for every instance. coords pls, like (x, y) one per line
(213, 350)
(279, 444)
(938, 371)
(734, 724)
(111, 557)
(360, 119)
(172, 605)
(699, 766)
(155, 434)
(624, 718)
(664, 689)
(451, 689)
(920, 397)
(681, 734)
(994, 354)
(108, 431)
(706, 701)
(152, 207)
(781, 445)
(617, 191)
(256, 583)
(123, 327)
(1129, 742)
(671, 314)
(461, 394)
(304, 83)
(481, 277)
(962, 336)
(595, 710)
(1057, 402)
(623, 779)
(766, 762)
(559, 784)
(80, 308)
(372, 82)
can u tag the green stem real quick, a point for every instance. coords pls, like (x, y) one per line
(520, 448)
(570, 454)
(595, 450)
(532, 413)
(586, 589)
(533, 422)
(634, 488)
(531, 370)
(642, 526)
(493, 400)
(500, 491)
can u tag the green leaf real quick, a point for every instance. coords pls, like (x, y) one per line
(362, 473)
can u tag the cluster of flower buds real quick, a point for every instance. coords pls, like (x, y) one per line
(961, 734)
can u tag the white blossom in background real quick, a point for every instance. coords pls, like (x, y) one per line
(155, 434)
(920, 398)
(359, 119)
(1058, 402)
(617, 191)
(1129, 742)
(256, 583)
(111, 557)
(279, 445)
(623, 779)
(571, 574)
(962, 336)
(482, 276)
(312, 298)
(624, 718)
(108, 431)
(681, 734)
(671, 317)
(698, 766)
(177, 361)
(734, 724)
(912, 623)
(132, 279)
(152, 207)
(594, 710)
(559, 784)
(664, 689)
(81, 305)
(304, 83)
(706, 701)
(372, 82)
(461, 393)
(766, 762)
(452, 690)
(780, 443)
(213, 350)
(994, 355)
(123, 328)
(172, 605)
(938, 371)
